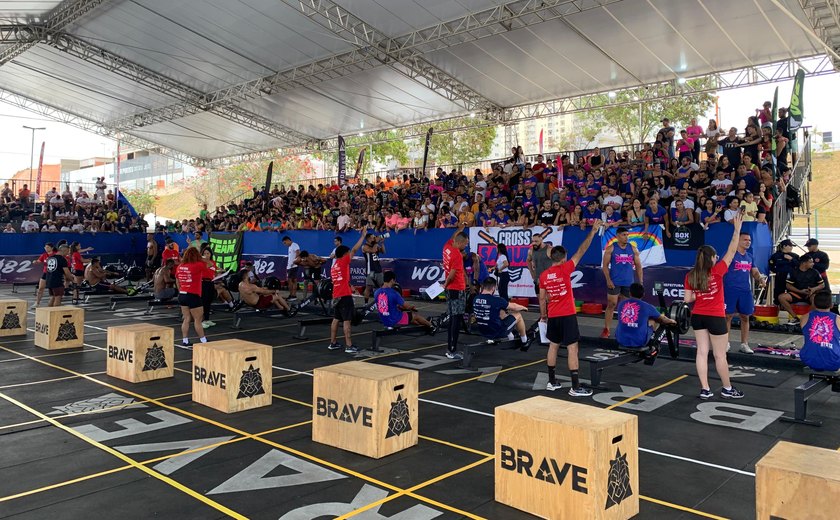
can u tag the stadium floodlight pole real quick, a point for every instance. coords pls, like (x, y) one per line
(32, 152)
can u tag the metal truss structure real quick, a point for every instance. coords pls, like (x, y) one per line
(824, 16)
(374, 48)
(83, 123)
(60, 17)
(726, 80)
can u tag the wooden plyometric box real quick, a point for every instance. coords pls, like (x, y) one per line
(141, 352)
(232, 375)
(13, 315)
(59, 327)
(365, 408)
(795, 481)
(557, 459)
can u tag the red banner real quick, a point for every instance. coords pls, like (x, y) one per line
(40, 169)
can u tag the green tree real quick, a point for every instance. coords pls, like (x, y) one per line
(143, 201)
(637, 122)
(462, 146)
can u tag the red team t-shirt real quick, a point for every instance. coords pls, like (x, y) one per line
(340, 274)
(76, 262)
(43, 259)
(710, 302)
(454, 261)
(170, 253)
(211, 271)
(189, 277)
(557, 283)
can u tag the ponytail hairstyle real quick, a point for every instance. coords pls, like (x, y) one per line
(698, 277)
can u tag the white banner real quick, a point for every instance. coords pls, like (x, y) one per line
(483, 242)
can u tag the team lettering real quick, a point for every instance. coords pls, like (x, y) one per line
(210, 377)
(548, 470)
(121, 354)
(349, 412)
(42, 328)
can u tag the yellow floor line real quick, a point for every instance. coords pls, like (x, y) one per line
(649, 390)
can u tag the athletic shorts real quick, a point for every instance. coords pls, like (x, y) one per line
(292, 273)
(344, 309)
(44, 276)
(738, 302)
(313, 274)
(456, 302)
(623, 290)
(796, 299)
(265, 302)
(57, 291)
(193, 301)
(166, 294)
(405, 320)
(374, 280)
(79, 272)
(716, 325)
(563, 329)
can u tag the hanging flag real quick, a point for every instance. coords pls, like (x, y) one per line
(560, 172)
(117, 178)
(40, 169)
(796, 108)
(267, 189)
(773, 116)
(360, 162)
(342, 162)
(426, 150)
(648, 242)
(541, 141)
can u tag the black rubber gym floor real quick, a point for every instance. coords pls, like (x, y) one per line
(76, 443)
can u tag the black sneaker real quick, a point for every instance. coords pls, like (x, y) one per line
(238, 305)
(525, 346)
(188, 345)
(352, 349)
(732, 393)
(454, 355)
(705, 393)
(335, 346)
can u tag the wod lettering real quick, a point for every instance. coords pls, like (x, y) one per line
(349, 412)
(42, 328)
(211, 377)
(548, 470)
(121, 354)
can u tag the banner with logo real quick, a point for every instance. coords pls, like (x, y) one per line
(648, 242)
(342, 162)
(483, 242)
(359, 163)
(227, 248)
(796, 108)
(686, 238)
(267, 188)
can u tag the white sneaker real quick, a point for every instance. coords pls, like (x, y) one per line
(205, 324)
(551, 388)
(745, 348)
(728, 347)
(211, 323)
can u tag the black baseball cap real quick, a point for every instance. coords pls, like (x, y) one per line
(812, 242)
(786, 243)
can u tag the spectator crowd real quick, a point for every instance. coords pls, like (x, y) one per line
(694, 175)
(67, 211)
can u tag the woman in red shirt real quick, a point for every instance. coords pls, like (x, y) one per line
(77, 266)
(49, 250)
(188, 275)
(704, 287)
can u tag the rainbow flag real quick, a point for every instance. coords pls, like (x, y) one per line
(648, 242)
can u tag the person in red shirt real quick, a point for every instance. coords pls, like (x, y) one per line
(344, 309)
(49, 250)
(456, 288)
(170, 251)
(77, 266)
(704, 287)
(188, 276)
(557, 309)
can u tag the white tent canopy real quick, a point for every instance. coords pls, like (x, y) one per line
(206, 79)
